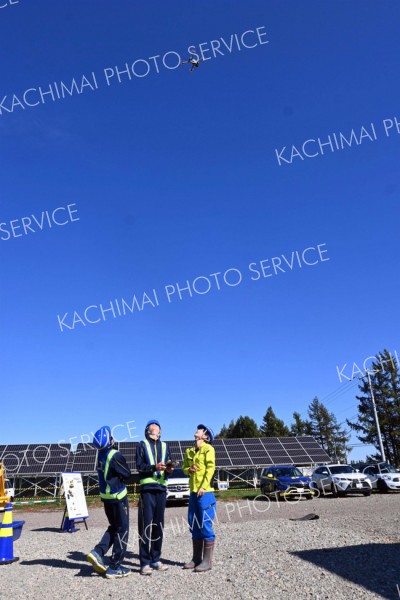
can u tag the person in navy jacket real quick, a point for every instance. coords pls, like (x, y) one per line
(113, 472)
(153, 461)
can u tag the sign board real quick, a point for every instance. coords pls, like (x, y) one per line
(223, 485)
(74, 495)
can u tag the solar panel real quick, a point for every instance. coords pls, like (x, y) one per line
(128, 450)
(233, 443)
(313, 444)
(84, 458)
(224, 462)
(291, 445)
(239, 463)
(320, 457)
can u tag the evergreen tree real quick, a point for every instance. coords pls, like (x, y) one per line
(385, 381)
(225, 431)
(328, 433)
(272, 426)
(243, 427)
(300, 427)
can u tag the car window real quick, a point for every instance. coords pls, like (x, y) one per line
(336, 470)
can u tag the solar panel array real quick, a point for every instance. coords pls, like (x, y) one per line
(259, 452)
(42, 459)
(34, 459)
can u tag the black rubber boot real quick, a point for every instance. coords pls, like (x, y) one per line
(197, 555)
(206, 563)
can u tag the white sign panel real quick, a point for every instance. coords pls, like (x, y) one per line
(74, 495)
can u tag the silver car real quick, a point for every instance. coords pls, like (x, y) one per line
(341, 480)
(383, 476)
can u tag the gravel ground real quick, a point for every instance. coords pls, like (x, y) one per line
(351, 552)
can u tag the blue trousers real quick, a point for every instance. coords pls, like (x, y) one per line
(151, 526)
(117, 533)
(201, 515)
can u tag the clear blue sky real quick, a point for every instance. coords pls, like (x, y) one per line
(174, 175)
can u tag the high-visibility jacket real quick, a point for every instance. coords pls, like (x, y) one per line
(151, 453)
(111, 470)
(204, 459)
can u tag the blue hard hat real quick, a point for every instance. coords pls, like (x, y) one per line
(208, 430)
(152, 422)
(102, 438)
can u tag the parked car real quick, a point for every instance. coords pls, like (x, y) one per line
(341, 480)
(383, 476)
(285, 481)
(178, 486)
(9, 489)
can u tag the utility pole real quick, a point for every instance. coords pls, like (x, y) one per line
(378, 429)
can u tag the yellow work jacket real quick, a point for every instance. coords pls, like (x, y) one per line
(204, 459)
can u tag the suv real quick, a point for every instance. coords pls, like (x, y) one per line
(341, 480)
(383, 476)
(285, 481)
(178, 486)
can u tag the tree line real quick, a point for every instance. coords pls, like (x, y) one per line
(320, 424)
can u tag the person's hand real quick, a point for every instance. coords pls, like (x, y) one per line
(201, 492)
(193, 469)
(161, 466)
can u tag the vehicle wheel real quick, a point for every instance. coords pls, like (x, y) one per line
(334, 491)
(276, 494)
(366, 493)
(382, 487)
(263, 491)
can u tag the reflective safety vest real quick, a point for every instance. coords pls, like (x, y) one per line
(154, 478)
(108, 495)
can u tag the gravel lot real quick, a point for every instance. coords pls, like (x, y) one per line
(352, 552)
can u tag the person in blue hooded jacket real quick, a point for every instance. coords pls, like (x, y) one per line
(153, 461)
(113, 472)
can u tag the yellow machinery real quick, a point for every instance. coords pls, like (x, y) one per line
(3, 498)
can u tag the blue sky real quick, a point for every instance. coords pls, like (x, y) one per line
(175, 176)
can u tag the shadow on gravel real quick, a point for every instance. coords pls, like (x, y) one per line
(84, 570)
(57, 529)
(171, 563)
(373, 566)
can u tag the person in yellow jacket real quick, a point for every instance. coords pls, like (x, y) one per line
(199, 464)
